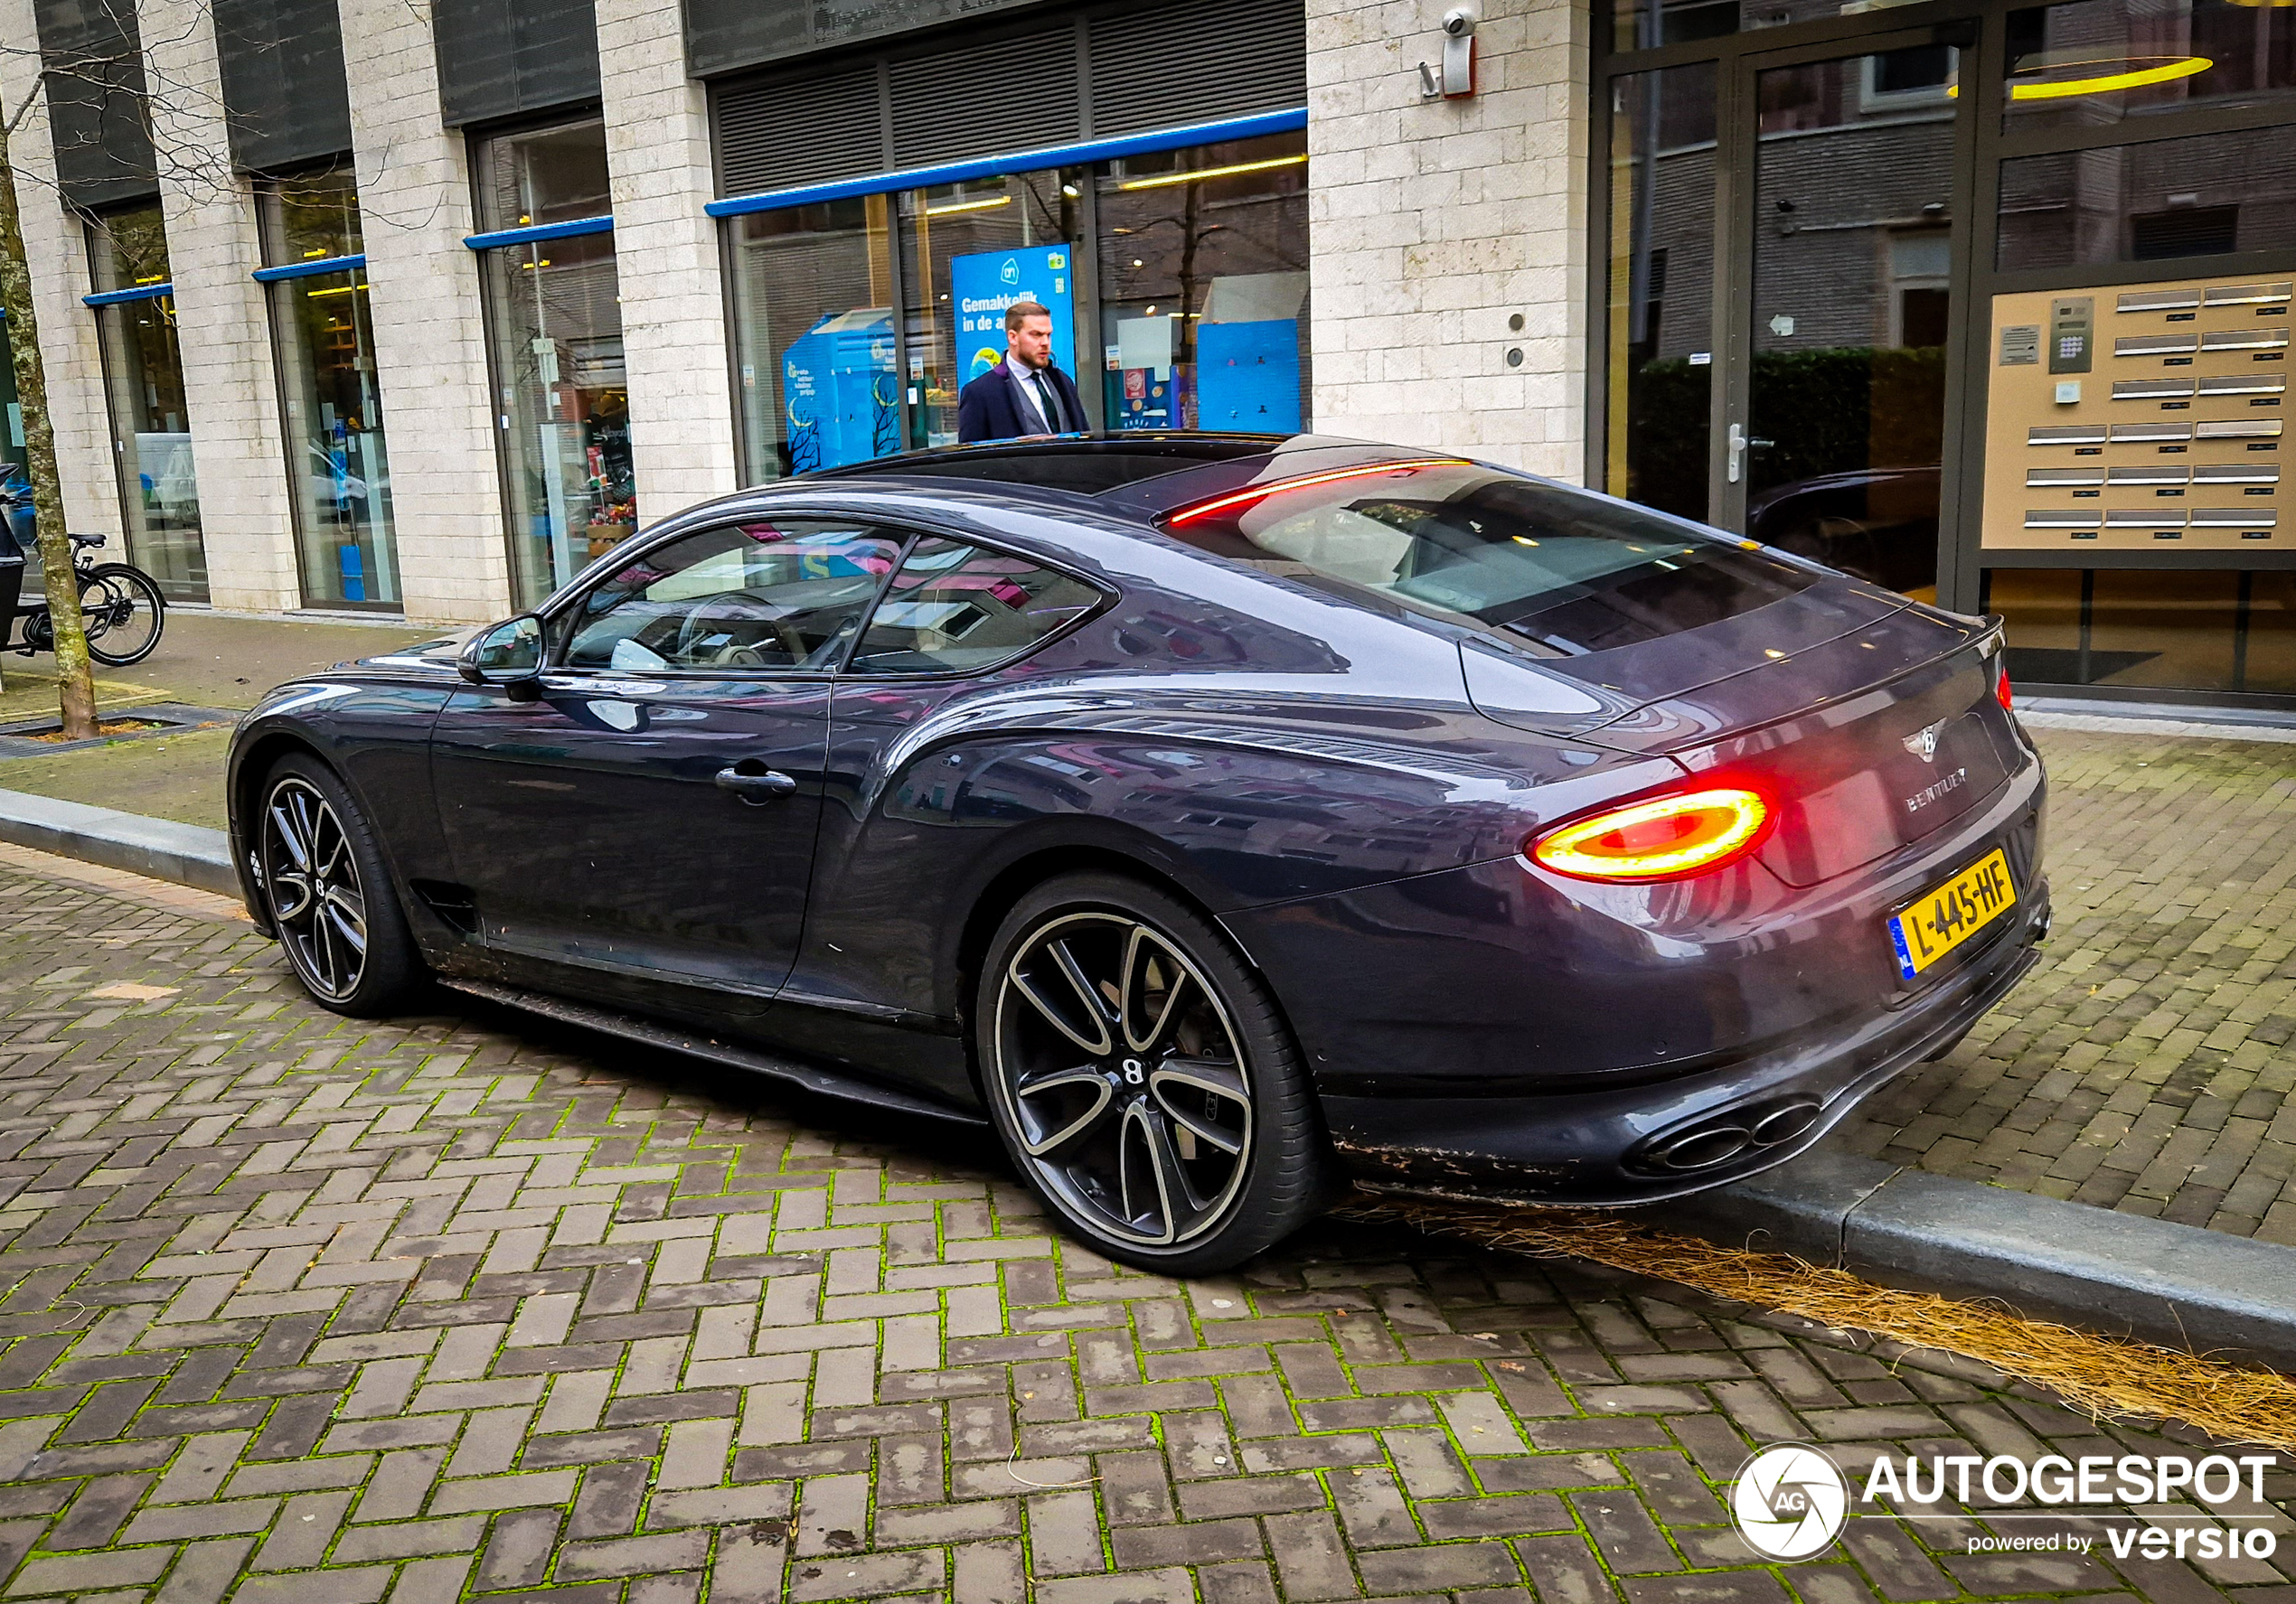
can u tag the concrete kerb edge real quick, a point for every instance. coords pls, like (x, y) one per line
(184, 854)
(2096, 1270)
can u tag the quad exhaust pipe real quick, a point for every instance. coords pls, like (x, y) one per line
(1719, 1139)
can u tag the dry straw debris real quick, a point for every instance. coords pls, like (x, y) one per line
(2104, 1376)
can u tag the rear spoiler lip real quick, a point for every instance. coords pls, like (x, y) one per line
(1987, 638)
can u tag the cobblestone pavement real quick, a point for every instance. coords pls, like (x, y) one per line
(304, 1311)
(2144, 1064)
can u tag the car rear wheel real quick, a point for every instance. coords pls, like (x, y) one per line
(329, 895)
(1143, 1079)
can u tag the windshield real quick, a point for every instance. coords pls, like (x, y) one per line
(1562, 570)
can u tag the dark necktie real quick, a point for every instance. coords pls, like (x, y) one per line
(1053, 421)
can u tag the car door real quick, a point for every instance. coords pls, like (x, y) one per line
(956, 615)
(639, 821)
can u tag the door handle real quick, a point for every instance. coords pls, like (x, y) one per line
(1739, 445)
(754, 782)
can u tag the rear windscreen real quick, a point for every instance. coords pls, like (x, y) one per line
(1088, 468)
(1561, 570)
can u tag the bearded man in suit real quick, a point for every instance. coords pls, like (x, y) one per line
(1024, 394)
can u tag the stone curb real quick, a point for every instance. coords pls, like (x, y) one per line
(2097, 1269)
(186, 854)
(2118, 1274)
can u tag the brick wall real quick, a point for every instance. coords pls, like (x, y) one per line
(673, 323)
(430, 344)
(1434, 222)
(230, 382)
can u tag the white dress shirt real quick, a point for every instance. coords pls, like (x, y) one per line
(1024, 381)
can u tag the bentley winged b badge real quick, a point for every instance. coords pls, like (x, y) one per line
(1923, 742)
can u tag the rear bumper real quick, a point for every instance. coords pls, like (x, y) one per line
(1573, 1148)
(1492, 1032)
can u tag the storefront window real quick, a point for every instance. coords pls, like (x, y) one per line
(1642, 24)
(969, 250)
(2103, 60)
(1203, 287)
(2207, 195)
(1661, 282)
(12, 461)
(554, 322)
(1178, 284)
(812, 303)
(337, 466)
(151, 425)
(2155, 629)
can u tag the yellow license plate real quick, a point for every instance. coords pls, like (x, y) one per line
(1946, 917)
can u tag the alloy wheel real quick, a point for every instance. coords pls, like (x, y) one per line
(312, 881)
(1124, 1079)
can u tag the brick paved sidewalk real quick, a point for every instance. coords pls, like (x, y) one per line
(303, 1311)
(2144, 1064)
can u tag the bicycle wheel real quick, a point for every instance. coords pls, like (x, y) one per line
(123, 613)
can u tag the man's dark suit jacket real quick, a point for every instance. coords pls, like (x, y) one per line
(987, 409)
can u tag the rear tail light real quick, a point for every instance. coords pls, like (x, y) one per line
(1665, 838)
(1260, 493)
(2001, 693)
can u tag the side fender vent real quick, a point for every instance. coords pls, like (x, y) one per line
(454, 905)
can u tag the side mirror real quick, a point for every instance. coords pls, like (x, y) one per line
(509, 654)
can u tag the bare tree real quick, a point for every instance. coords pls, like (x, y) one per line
(169, 111)
(75, 681)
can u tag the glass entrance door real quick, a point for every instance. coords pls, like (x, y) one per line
(1833, 433)
(1782, 234)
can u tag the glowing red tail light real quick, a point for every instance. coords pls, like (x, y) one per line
(1257, 493)
(1665, 838)
(2001, 693)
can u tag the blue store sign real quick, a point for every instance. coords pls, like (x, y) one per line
(983, 286)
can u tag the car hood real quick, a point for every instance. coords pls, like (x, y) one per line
(438, 654)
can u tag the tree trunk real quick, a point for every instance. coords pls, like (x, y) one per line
(75, 683)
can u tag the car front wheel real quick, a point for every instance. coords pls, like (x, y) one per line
(329, 895)
(1143, 1079)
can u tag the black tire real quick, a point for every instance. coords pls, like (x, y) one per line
(124, 622)
(1121, 1119)
(328, 894)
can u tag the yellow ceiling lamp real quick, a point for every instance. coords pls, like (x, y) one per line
(1162, 179)
(957, 206)
(2119, 72)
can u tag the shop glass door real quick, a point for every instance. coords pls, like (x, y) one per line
(1833, 426)
(1782, 240)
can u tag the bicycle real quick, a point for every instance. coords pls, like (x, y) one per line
(121, 611)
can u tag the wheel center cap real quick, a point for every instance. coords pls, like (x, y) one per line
(1135, 1071)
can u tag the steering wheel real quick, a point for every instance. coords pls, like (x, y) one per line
(698, 623)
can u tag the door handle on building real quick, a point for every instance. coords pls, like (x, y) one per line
(753, 782)
(1735, 441)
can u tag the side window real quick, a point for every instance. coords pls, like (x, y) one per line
(955, 608)
(778, 594)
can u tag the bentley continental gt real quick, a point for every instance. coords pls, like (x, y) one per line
(1218, 819)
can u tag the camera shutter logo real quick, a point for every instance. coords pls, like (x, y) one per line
(1789, 1501)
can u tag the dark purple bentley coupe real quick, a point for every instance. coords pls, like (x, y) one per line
(1219, 818)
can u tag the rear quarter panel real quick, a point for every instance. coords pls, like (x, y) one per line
(1239, 787)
